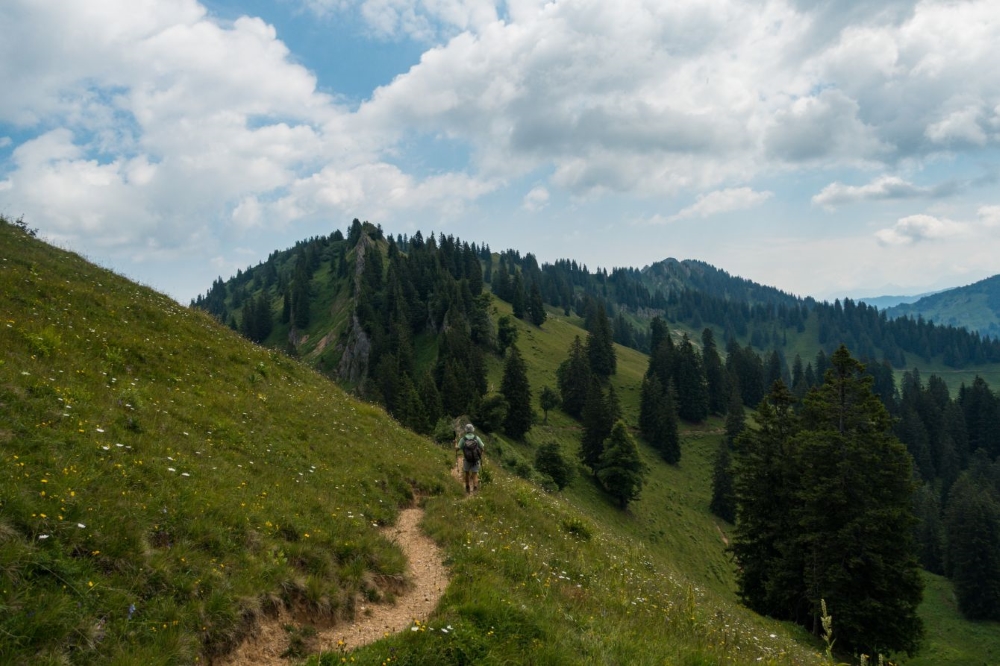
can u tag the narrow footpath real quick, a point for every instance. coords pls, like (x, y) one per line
(374, 621)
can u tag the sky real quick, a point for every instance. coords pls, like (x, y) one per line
(830, 149)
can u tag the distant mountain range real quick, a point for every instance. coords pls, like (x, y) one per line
(975, 307)
(886, 302)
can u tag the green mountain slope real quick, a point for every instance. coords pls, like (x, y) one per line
(164, 483)
(975, 307)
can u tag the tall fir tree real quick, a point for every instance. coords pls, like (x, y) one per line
(973, 528)
(573, 377)
(715, 374)
(516, 391)
(689, 378)
(855, 515)
(723, 503)
(765, 489)
(597, 423)
(621, 470)
(536, 308)
(600, 342)
(735, 416)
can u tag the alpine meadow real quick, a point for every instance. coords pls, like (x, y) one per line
(173, 478)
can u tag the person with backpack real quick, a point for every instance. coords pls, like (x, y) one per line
(471, 448)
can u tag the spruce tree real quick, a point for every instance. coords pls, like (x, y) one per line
(536, 308)
(620, 469)
(723, 502)
(600, 343)
(518, 299)
(573, 377)
(689, 378)
(765, 487)
(516, 391)
(715, 374)
(597, 424)
(855, 515)
(973, 527)
(735, 417)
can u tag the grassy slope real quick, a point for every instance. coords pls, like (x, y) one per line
(163, 481)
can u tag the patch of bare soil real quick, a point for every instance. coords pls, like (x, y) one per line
(374, 621)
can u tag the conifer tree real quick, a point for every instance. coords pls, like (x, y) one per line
(723, 502)
(518, 300)
(689, 378)
(715, 374)
(516, 391)
(855, 514)
(929, 531)
(600, 342)
(620, 469)
(658, 418)
(573, 377)
(735, 417)
(597, 424)
(536, 308)
(765, 490)
(973, 526)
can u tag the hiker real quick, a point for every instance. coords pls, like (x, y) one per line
(471, 448)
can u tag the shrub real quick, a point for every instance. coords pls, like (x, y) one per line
(549, 461)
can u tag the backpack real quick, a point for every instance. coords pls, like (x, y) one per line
(472, 450)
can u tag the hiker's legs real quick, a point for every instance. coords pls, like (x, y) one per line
(468, 479)
(475, 480)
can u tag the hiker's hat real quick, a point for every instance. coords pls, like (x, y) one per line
(469, 427)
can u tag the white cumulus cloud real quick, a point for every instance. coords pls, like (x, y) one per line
(723, 201)
(916, 228)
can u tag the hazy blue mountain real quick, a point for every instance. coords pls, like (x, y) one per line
(975, 307)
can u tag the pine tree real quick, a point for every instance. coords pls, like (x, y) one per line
(855, 514)
(929, 531)
(573, 377)
(597, 424)
(689, 378)
(620, 469)
(715, 374)
(723, 502)
(765, 490)
(735, 417)
(516, 391)
(536, 308)
(973, 527)
(658, 418)
(518, 300)
(600, 343)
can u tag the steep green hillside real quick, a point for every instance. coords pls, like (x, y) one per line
(975, 307)
(164, 483)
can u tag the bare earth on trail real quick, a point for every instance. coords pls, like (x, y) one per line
(374, 621)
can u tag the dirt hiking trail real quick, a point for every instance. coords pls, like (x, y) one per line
(374, 621)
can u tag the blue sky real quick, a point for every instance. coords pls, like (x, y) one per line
(828, 149)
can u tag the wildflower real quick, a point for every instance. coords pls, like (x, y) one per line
(42, 537)
(81, 526)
